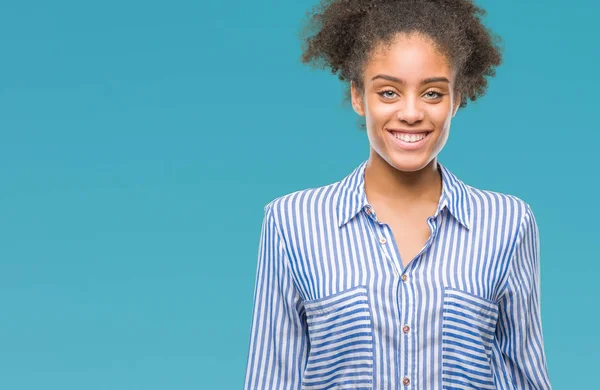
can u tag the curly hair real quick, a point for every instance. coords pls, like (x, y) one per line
(347, 31)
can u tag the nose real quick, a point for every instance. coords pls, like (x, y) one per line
(410, 110)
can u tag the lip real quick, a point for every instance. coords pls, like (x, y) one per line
(406, 145)
(412, 131)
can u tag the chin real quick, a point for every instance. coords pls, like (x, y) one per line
(408, 163)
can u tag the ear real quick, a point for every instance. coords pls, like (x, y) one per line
(456, 104)
(357, 101)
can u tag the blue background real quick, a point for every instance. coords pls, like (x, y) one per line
(140, 141)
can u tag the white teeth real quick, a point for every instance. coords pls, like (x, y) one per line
(410, 137)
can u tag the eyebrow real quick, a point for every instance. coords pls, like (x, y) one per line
(400, 81)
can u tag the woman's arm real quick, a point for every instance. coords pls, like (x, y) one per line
(519, 330)
(279, 339)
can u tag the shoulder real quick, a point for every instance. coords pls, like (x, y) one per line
(304, 204)
(490, 203)
(500, 214)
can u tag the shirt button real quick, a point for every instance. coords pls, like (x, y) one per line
(368, 211)
(382, 240)
(405, 381)
(404, 277)
(406, 329)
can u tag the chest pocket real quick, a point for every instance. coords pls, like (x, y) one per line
(468, 326)
(341, 341)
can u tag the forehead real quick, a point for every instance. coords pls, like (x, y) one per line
(408, 57)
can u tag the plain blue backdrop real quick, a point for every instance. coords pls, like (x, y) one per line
(140, 141)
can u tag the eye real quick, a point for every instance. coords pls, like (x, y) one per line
(436, 94)
(387, 94)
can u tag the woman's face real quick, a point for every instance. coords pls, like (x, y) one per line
(408, 95)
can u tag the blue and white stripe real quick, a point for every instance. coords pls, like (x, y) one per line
(332, 299)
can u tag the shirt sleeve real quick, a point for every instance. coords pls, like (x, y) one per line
(519, 331)
(278, 338)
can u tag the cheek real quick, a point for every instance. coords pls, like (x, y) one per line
(381, 112)
(440, 115)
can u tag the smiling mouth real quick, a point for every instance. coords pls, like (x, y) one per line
(409, 137)
(409, 142)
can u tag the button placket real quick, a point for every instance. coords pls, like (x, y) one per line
(370, 212)
(379, 234)
(406, 329)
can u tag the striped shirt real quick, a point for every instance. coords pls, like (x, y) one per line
(334, 307)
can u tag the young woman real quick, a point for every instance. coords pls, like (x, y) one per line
(399, 276)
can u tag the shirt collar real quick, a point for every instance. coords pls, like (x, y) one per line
(456, 196)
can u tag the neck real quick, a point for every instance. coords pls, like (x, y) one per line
(399, 189)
